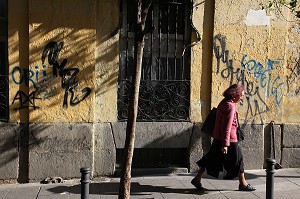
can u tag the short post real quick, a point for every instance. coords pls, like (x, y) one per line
(85, 180)
(270, 178)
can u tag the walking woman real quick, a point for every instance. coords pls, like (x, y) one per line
(225, 150)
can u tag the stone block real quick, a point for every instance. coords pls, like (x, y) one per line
(59, 150)
(105, 150)
(155, 134)
(291, 136)
(9, 159)
(252, 146)
(290, 158)
(199, 145)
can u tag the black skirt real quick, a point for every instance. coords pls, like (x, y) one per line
(215, 160)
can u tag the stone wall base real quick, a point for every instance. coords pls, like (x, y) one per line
(32, 152)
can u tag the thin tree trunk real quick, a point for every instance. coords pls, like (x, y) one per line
(125, 181)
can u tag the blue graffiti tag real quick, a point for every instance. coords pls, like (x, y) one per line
(19, 76)
(264, 76)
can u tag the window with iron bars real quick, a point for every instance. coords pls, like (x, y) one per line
(3, 61)
(165, 82)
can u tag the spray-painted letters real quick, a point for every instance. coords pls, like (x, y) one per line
(68, 76)
(269, 85)
(38, 76)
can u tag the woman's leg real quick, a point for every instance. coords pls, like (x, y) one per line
(196, 181)
(199, 175)
(242, 179)
(243, 186)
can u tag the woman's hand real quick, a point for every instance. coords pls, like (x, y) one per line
(224, 149)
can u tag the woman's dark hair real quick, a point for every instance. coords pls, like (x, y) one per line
(233, 91)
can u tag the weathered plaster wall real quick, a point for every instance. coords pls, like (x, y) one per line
(239, 42)
(18, 42)
(260, 49)
(59, 77)
(107, 60)
(202, 19)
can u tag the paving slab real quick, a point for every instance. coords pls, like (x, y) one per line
(169, 186)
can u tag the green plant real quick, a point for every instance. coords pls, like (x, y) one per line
(292, 5)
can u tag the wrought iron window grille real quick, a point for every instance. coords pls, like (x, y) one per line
(165, 82)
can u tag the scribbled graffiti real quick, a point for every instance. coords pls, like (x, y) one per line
(38, 76)
(293, 80)
(68, 76)
(255, 76)
(26, 101)
(272, 86)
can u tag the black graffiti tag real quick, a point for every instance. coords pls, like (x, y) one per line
(68, 76)
(26, 101)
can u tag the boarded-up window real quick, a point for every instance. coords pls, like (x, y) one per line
(165, 84)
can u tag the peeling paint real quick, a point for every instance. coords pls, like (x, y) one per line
(257, 18)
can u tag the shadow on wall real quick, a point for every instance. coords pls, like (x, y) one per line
(161, 145)
(16, 141)
(61, 62)
(272, 142)
(8, 144)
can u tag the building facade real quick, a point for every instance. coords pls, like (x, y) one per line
(66, 68)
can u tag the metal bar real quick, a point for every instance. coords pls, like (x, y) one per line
(159, 35)
(152, 24)
(183, 37)
(176, 29)
(270, 178)
(85, 182)
(167, 51)
(156, 41)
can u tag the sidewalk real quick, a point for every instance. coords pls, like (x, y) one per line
(174, 186)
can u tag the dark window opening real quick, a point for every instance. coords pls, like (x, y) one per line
(165, 82)
(3, 61)
(156, 157)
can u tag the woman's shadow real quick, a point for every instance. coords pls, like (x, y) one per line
(112, 188)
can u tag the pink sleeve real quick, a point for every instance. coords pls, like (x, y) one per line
(227, 119)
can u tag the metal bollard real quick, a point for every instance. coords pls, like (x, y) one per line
(85, 180)
(270, 178)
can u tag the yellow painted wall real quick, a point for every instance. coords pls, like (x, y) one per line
(18, 42)
(107, 60)
(65, 32)
(263, 53)
(89, 32)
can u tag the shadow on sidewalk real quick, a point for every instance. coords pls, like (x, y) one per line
(112, 188)
(248, 176)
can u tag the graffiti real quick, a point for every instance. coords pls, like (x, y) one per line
(37, 77)
(218, 39)
(26, 101)
(76, 144)
(26, 76)
(249, 69)
(272, 86)
(293, 77)
(219, 46)
(68, 76)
